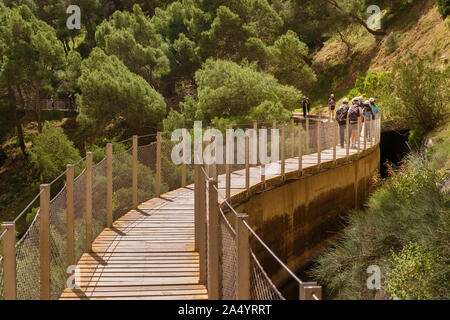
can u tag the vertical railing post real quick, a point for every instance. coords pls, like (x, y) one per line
(135, 172)
(109, 185)
(183, 163)
(158, 163)
(335, 128)
(307, 136)
(300, 149)
(70, 214)
(200, 219)
(229, 158)
(88, 213)
(263, 154)
(243, 259)
(247, 160)
(371, 132)
(208, 167)
(213, 241)
(319, 151)
(283, 152)
(9, 261)
(366, 123)
(347, 137)
(379, 128)
(214, 173)
(255, 144)
(292, 138)
(359, 134)
(44, 242)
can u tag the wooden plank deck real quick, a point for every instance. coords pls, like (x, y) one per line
(149, 252)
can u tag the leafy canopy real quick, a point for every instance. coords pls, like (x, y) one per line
(112, 94)
(52, 151)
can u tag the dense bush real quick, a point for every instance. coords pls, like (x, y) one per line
(444, 8)
(416, 273)
(391, 43)
(410, 207)
(227, 90)
(51, 152)
(420, 93)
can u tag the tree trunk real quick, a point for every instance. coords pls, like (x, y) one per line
(18, 124)
(364, 24)
(347, 44)
(39, 121)
(151, 7)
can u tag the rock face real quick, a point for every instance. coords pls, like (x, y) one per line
(394, 125)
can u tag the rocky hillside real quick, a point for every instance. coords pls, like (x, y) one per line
(419, 30)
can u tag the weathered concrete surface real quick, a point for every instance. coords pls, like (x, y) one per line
(300, 217)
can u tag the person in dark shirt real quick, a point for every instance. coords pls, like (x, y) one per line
(332, 104)
(341, 118)
(306, 106)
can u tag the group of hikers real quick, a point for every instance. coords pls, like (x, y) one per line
(366, 110)
(360, 109)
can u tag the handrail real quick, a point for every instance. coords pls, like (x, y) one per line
(242, 228)
(304, 287)
(27, 207)
(285, 267)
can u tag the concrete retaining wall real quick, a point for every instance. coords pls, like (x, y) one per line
(300, 217)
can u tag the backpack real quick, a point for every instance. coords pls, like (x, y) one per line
(332, 102)
(354, 113)
(341, 113)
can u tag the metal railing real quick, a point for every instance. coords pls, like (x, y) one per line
(64, 227)
(228, 265)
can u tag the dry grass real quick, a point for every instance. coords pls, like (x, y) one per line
(420, 31)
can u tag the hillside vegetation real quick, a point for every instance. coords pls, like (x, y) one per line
(416, 29)
(139, 67)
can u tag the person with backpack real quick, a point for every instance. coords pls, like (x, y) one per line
(354, 113)
(374, 108)
(332, 104)
(341, 118)
(361, 102)
(306, 105)
(368, 115)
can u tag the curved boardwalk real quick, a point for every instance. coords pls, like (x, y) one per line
(149, 252)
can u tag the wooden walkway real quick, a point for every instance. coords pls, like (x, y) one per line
(149, 252)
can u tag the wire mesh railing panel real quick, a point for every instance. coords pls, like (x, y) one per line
(27, 263)
(58, 241)
(170, 172)
(228, 259)
(79, 200)
(98, 198)
(146, 172)
(261, 286)
(147, 155)
(122, 183)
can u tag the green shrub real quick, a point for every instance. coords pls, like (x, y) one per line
(415, 274)
(391, 44)
(409, 207)
(444, 8)
(51, 152)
